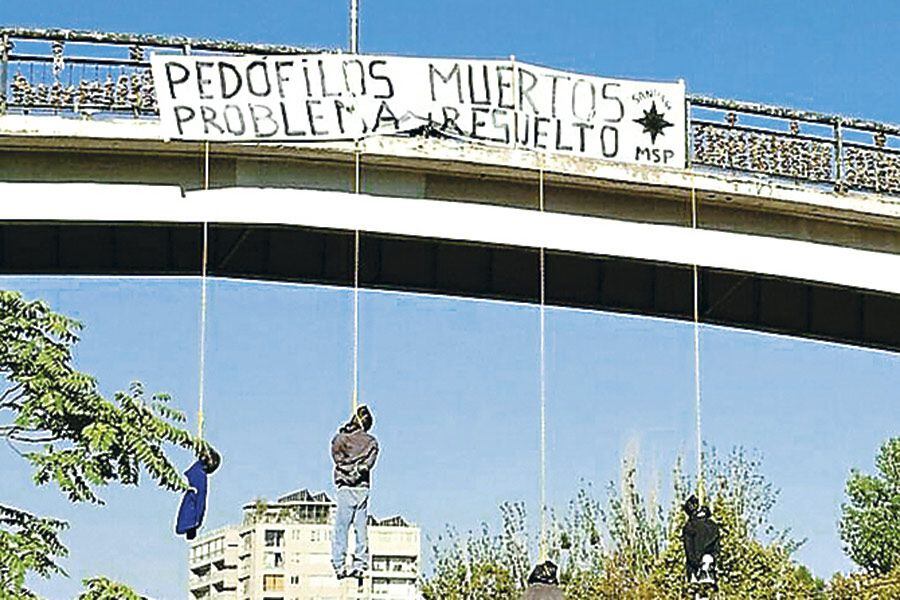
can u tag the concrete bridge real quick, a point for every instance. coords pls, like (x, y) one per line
(792, 218)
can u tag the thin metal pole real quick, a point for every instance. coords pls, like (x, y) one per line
(354, 26)
(515, 93)
(838, 155)
(688, 147)
(4, 70)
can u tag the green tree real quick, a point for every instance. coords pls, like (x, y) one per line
(870, 520)
(626, 546)
(481, 565)
(755, 558)
(101, 588)
(865, 586)
(611, 547)
(54, 417)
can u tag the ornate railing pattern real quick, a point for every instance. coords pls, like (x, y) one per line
(94, 74)
(802, 146)
(97, 75)
(790, 156)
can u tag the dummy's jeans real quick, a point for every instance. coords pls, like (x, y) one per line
(352, 507)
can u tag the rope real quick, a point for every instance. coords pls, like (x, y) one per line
(697, 388)
(356, 189)
(204, 259)
(543, 378)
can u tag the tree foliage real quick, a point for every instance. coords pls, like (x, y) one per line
(28, 544)
(56, 419)
(627, 546)
(101, 588)
(482, 565)
(870, 521)
(755, 558)
(865, 586)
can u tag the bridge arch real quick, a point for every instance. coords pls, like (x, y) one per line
(793, 287)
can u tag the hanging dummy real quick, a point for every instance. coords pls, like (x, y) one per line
(354, 452)
(193, 503)
(543, 583)
(700, 536)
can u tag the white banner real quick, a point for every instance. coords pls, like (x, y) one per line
(323, 97)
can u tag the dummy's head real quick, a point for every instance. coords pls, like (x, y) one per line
(209, 458)
(691, 506)
(363, 417)
(545, 572)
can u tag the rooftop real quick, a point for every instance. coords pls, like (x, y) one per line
(305, 499)
(305, 495)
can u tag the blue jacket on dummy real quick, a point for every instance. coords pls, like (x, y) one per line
(193, 504)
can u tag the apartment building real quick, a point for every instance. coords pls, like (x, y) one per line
(282, 551)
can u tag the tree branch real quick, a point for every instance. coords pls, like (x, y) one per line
(15, 437)
(16, 433)
(6, 394)
(7, 430)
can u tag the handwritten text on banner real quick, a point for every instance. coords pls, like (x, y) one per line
(323, 97)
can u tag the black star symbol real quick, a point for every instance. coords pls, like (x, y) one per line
(653, 122)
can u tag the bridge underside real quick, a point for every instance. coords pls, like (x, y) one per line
(392, 262)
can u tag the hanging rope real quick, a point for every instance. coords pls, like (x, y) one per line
(697, 388)
(543, 378)
(203, 263)
(356, 190)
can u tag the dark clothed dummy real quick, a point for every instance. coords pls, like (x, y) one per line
(700, 536)
(543, 583)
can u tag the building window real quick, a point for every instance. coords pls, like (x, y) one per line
(295, 580)
(274, 560)
(394, 564)
(273, 583)
(274, 538)
(403, 565)
(381, 587)
(319, 535)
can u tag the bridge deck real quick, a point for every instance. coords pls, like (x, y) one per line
(791, 180)
(797, 288)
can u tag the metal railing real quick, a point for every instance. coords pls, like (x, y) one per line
(803, 146)
(87, 73)
(97, 75)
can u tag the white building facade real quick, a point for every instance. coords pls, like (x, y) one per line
(282, 551)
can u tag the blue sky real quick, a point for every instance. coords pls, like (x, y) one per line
(454, 386)
(827, 55)
(454, 383)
